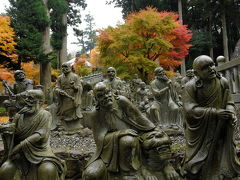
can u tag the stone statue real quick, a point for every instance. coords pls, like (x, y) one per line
(210, 117)
(135, 84)
(22, 83)
(142, 100)
(117, 128)
(165, 110)
(69, 92)
(113, 82)
(188, 77)
(15, 102)
(26, 139)
(87, 97)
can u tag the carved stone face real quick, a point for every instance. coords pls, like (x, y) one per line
(190, 73)
(32, 99)
(204, 67)
(111, 73)
(66, 68)
(103, 95)
(19, 76)
(155, 139)
(161, 75)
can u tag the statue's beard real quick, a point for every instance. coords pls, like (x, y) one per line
(28, 110)
(163, 78)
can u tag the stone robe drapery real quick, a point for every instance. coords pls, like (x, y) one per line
(67, 107)
(40, 151)
(200, 104)
(106, 126)
(166, 101)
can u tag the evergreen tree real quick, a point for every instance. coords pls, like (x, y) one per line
(29, 20)
(86, 38)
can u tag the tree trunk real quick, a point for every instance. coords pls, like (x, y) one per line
(224, 33)
(63, 51)
(211, 37)
(183, 65)
(45, 67)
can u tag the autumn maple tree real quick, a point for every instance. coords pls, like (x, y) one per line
(147, 38)
(7, 43)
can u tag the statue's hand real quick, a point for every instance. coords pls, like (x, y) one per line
(170, 173)
(8, 128)
(130, 132)
(148, 175)
(223, 114)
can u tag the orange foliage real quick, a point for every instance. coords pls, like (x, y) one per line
(32, 71)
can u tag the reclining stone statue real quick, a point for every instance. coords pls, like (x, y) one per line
(123, 135)
(26, 139)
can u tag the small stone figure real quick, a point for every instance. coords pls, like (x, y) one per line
(142, 97)
(165, 110)
(188, 77)
(15, 102)
(117, 128)
(210, 117)
(29, 153)
(69, 92)
(113, 82)
(87, 97)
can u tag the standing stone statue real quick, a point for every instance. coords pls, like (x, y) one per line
(69, 92)
(113, 82)
(117, 128)
(188, 77)
(165, 110)
(87, 97)
(210, 117)
(26, 139)
(22, 84)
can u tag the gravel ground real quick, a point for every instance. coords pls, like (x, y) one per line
(81, 141)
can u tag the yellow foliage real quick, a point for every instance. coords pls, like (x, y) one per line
(7, 34)
(4, 119)
(95, 58)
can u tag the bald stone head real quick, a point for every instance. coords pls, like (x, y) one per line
(204, 67)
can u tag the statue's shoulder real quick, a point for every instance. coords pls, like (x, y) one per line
(28, 81)
(153, 82)
(44, 112)
(60, 76)
(123, 101)
(224, 82)
(192, 84)
(74, 75)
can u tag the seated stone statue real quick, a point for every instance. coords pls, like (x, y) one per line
(210, 117)
(26, 139)
(117, 128)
